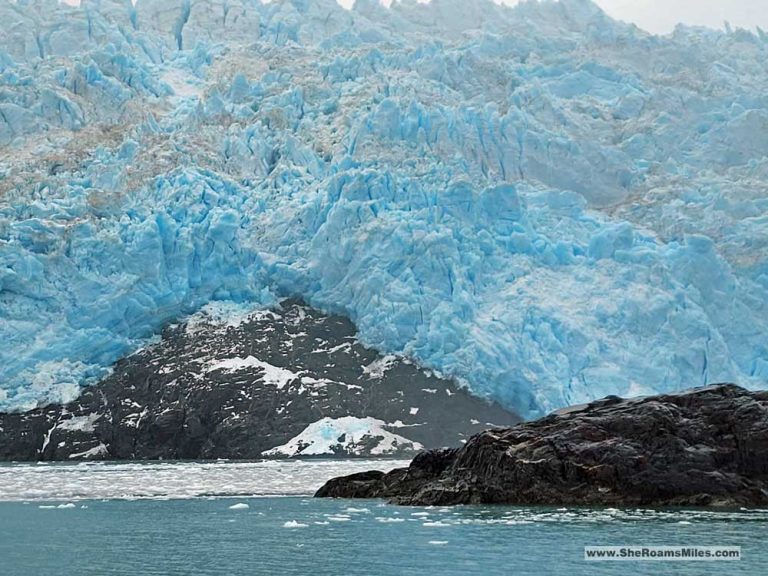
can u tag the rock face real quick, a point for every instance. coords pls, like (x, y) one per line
(704, 447)
(287, 382)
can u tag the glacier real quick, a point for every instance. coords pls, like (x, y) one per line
(542, 202)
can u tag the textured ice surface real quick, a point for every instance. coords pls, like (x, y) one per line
(548, 204)
(94, 480)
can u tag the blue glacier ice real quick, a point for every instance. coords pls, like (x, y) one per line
(545, 203)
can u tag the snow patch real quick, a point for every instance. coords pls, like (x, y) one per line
(376, 369)
(273, 375)
(347, 435)
(95, 452)
(226, 314)
(79, 423)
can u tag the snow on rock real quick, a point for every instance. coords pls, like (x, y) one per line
(79, 423)
(545, 203)
(234, 391)
(377, 368)
(273, 375)
(345, 436)
(223, 315)
(95, 453)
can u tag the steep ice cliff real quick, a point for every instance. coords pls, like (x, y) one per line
(545, 203)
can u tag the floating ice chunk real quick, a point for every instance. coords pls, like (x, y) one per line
(437, 524)
(294, 524)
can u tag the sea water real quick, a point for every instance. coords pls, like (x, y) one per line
(258, 518)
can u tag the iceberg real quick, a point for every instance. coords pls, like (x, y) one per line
(542, 202)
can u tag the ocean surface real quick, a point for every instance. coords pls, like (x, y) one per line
(257, 518)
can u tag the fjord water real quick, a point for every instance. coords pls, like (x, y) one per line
(235, 529)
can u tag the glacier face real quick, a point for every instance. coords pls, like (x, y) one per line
(545, 203)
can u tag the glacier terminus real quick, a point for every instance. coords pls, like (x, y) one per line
(544, 203)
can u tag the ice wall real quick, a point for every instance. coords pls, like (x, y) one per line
(548, 204)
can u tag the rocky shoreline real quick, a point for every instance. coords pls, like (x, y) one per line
(703, 447)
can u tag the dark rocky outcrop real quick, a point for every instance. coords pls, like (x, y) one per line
(703, 447)
(234, 388)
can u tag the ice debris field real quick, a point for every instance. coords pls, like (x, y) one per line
(545, 203)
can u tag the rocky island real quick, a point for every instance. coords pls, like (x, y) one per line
(703, 447)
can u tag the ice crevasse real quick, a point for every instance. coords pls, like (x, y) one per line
(545, 203)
